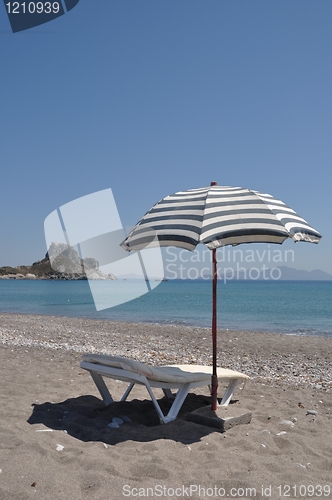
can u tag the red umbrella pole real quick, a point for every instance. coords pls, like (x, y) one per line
(214, 379)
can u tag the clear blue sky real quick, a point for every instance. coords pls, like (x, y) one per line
(152, 97)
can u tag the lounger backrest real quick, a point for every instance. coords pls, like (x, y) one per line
(161, 373)
(173, 374)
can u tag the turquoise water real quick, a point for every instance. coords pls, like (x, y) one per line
(293, 307)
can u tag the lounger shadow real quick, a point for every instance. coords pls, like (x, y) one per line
(182, 378)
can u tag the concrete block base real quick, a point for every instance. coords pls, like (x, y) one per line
(223, 418)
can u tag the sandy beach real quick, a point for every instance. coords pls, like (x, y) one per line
(55, 440)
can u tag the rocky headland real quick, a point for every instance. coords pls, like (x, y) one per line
(61, 262)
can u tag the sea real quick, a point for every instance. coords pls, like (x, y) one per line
(289, 307)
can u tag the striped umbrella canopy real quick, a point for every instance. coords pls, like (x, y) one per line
(218, 216)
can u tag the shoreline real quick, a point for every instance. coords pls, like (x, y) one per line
(175, 324)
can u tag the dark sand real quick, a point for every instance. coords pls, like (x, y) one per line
(47, 401)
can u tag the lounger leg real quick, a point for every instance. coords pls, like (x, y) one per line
(176, 405)
(178, 402)
(229, 392)
(128, 391)
(102, 388)
(163, 419)
(168, 393)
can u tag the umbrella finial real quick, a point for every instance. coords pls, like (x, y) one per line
(214, 183)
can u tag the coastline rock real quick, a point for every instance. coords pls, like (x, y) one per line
(65, 259)
(13, 276)
(61, 262)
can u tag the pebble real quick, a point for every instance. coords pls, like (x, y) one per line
(282, 433)
(59, 447)
(117, 420)
(312, 412)
(113, 425)
(287, 422)
(126, 419)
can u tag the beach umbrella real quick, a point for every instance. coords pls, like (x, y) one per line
(217, 216)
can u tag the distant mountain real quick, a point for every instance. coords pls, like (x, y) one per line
(130, 276)
(133, 276)
(283, 273)
(289, 273)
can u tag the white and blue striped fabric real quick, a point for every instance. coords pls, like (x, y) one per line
(218, 216)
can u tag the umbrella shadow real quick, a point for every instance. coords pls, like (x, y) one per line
(86, 418)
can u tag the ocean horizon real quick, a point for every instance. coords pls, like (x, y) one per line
(289, 307)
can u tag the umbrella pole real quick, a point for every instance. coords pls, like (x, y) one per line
(214, 379)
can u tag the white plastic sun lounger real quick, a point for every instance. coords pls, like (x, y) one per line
(180, 377)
